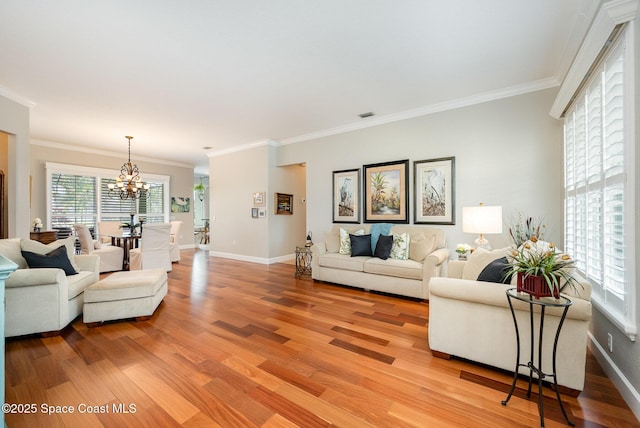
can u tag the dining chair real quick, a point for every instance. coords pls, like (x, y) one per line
(111, 257)
(107, 229)
(154, 248)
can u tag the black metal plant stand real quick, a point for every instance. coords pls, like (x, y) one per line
(543, 303)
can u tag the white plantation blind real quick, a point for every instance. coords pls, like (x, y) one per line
(79, 194)
(599, 216)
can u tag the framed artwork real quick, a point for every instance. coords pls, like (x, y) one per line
(434, 187)
(262, 212)
(180, 205)
(283, 203)
(386, 192)
(258, 199)
(254, 212)
(346, 196)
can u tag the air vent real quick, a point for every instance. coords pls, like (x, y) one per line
(363, 115)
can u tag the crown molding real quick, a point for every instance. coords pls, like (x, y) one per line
(610, 14)
(85, 149)
(248, 146)
(17, 98)
(431, 109)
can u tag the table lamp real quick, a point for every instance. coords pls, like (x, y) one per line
(482, 220)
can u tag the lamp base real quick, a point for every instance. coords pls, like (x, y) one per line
(483, 243)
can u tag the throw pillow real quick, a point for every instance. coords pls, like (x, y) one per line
(479, 259)
(54, 259)
(10, 248)
(383, 247)
(360, 245)
(421, 246)
(496, 271)
(40, 248)
(400, 249)
(332, 242)
(345, 241)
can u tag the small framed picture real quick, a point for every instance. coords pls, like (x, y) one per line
(283, 203)
(262, 212)
(254, 212)
(434, 187)
(258, 199)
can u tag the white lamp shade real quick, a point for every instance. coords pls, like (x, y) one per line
(482, 219)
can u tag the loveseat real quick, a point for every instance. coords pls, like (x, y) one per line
(45, 300)
(471, 319)
(427, 257)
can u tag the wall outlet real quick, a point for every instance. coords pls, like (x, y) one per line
(610, 342)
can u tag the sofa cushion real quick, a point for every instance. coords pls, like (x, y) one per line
(421, 245)
(342, 261)
(496, 271)
(383, 247)
(78, 283)
(479, 259)
(10, 248)
(40, 248)
(400, 249)
(360, 245)
(391, 267)
(332, 242)
(53, 259)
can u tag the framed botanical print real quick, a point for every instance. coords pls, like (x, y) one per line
(346, 196)
(434, 188)
(386, 192)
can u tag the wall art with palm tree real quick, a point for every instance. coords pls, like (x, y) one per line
(346, 196)
(434, 188)
(386, 192)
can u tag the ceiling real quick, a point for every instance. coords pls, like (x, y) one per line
(183, 75)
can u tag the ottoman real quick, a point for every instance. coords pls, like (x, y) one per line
(121, 295)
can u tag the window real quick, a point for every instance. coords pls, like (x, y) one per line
(599, 199)
(78, 194)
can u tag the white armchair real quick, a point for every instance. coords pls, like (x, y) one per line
(111, 257)
(154, 248)
(174, 244)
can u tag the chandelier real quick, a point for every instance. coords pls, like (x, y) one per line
(128, 184)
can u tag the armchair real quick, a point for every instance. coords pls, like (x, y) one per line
(154, 248)
(174, 245)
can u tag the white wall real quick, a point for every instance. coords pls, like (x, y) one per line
(14, 120)
(508, 152)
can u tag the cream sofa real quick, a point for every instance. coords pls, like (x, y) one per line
(44, 300)
(427, 258)
(472, 320)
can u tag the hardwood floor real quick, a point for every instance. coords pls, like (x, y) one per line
(244, 345)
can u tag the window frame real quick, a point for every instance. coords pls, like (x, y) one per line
(620, 309)
(100, 174)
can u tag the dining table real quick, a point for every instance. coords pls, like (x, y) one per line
(127, 242)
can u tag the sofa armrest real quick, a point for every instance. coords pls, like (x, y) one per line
(33, 277)
(316, 251)
(88, 262)
(438, 257)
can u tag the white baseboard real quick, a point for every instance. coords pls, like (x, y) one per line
(252, 259)
(627, 390)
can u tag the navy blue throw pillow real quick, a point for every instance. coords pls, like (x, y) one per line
(54, 259)
(383, 247)
(360, 245)
(496, 271)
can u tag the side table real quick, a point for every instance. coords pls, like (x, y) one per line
(303, 260)
(543, 303)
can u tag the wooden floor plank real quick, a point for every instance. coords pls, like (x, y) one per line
(237, 344)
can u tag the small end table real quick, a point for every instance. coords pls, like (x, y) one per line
(543, 303)
(303, 260)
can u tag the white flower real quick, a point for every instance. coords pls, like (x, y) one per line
(37, 222)
(462, 248)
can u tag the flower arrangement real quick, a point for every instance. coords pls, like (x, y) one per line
(535, 260)
(462, 249)
(37, 224)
